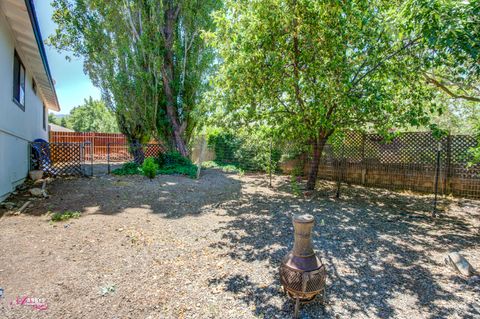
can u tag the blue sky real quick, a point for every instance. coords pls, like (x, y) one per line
(72, 85)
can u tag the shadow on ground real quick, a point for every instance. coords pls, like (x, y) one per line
(379, 247)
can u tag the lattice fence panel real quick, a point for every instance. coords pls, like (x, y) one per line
(408, 162)
(464, 178)
(58, 159)
(153, 150)
(118, 153)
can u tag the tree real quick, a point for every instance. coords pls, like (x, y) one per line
(64, 122)
(53, 119)
(93, 116)
(146, 56)
(312, 68)
(451, 33)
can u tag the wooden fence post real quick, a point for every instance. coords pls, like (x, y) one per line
(437, 173)
(200, 157)
(448, 162)
(364, 164)
(270, 165)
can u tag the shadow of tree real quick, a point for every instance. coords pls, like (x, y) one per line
(166, 196)
(376, 245)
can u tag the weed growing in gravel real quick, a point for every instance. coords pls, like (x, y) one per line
(63, 216)
(108, 289)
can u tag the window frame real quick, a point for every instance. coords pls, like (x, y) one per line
(45, 117)
(34, 86)
(17, 81)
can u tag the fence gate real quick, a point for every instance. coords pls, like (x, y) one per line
(60, 159)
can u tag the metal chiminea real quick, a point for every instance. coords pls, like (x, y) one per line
(302, 273)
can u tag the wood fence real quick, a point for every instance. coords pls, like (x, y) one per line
(409, 162)
(103, 145)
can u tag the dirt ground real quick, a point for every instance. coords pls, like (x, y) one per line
(210, 248)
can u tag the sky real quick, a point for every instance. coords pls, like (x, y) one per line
(71, 83)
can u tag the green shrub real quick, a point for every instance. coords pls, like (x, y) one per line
(246, 151)
(227, 168)
(169, 163)
(294, 185)
(225, 145)
(173, 158)
(60, 217)
(190, 170)
(172, 163)
(150, 167)
(130, 168)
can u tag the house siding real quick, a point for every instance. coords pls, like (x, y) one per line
(17, 127)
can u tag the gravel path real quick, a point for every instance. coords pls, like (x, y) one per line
(181, 248)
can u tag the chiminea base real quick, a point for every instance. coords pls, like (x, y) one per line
(320, 298)
(305, 301)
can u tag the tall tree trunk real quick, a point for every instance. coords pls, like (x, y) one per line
(318, 145)
(171, 15)
(137, 151)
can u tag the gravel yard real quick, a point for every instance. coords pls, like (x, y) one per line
(181, 248)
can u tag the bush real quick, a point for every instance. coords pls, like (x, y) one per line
(247, 151)
(190, 171)
(227, 168)
(173, 158)
(225, 146)
(130, 168)
(174, 163)
(150, 168)
(169, 163)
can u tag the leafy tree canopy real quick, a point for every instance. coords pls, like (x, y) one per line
(93, 116)
(311, 68)
(147, 57)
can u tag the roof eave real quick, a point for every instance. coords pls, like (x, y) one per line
(38, 37)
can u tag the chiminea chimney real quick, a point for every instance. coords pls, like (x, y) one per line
(302, 273)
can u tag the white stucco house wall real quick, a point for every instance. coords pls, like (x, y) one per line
(27, 90)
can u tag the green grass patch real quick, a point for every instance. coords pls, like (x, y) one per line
(63, 216)
(130, 168)
(187, 170)
(225, 167)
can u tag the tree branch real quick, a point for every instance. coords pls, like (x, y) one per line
(445, 89)
(382, 61)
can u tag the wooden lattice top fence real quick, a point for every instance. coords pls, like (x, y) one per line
(103, 144)
(407, 162)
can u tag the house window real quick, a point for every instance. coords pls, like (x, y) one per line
(18, 82)
(34, 86)
(44, 118)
